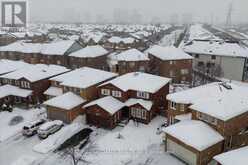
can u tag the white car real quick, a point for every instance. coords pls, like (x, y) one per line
(49, 128)
(32, 127)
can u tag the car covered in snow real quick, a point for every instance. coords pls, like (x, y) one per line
(32, 127)
(49, 128)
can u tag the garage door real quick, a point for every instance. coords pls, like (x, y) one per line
(57, 115)
(181, 152)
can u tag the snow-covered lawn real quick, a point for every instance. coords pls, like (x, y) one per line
(7, 130)
(131, 145)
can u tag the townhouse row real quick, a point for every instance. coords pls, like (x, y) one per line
(162, 61)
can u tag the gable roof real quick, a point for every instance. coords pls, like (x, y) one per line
(139, 82)
(107, 103)
(201, 135)
(132, 55)
(36, 72)
(7, 66)
(144, 103)
(218, 48)
(66, 101)
(168, 53)
(90, 52)
(83, 77)
(237, 157)
(57, 48)
(215, 99)
(10, 90)
(53, 48)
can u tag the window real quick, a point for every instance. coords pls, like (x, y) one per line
(105, 92)
(200, 63)
(25, 84)
(143, 95)
(172, 62)
(171, 73)
(184, 71)
(207, 118)
(132, 64)
(173, 105)
(116, 93)
(138, 113)
(144, 114)
(196, 55)
(213, 57)
(182, 107)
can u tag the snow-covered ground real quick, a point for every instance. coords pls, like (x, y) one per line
(7, 130)
(130, 145)
(170, 39)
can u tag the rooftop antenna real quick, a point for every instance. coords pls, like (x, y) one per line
(229, 15)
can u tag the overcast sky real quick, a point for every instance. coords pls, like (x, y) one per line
(136, 10)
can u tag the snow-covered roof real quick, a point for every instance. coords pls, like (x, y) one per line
(127, 40)
(144, 103)
(237, 157)
(132, 55)
(107, 103)
(7, 66)
(54, 91)
(215, 99)
(90, 52)
(23, 47)
(66, 101)
(139, 82)
(57, 48)
(47, 125)
(36, 72)
(198, 32)
(168, 53)
(9, 90)
(201, 135)
(53, 48)
(218, 48)
(83, 77)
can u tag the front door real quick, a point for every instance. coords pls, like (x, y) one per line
(125, 113)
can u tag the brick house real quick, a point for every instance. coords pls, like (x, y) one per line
(90, 56)
(46, 53)
(26, 85)
(195, 148)
(104, 112)
(119, 43)
(65, 107)
(57, 52)
(171, 62)
(131, 60)
(81, 82)
(143, 94)
(222, 106)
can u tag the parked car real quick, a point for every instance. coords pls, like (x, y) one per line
(32, 127)
(49, 128)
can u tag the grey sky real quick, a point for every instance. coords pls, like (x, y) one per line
(98, 10)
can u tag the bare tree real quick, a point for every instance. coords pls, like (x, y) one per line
(76, 154)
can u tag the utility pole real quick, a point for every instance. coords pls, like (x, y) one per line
(229, 15)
